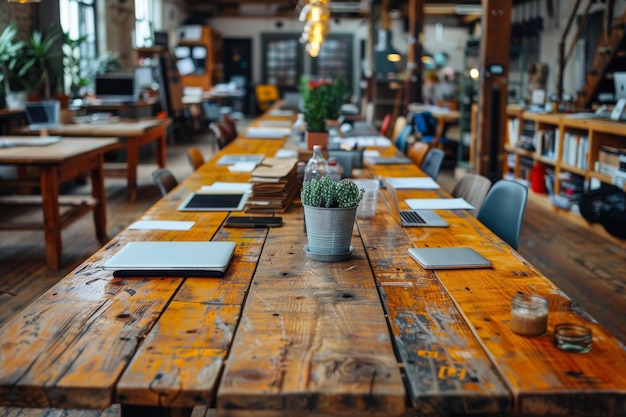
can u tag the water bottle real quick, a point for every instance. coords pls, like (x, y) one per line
(317, 167)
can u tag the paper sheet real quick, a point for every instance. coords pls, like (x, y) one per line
(267, 132)
(413, 183)
(232, 186)
(438, 204)
(160, 225)
(242, 167)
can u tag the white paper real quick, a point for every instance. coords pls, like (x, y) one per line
(286, 153)
(161, 225)
(230, 186)
(414, 183)
(363, 141)
(267, 132)
(233, 159)
(438, 204)
(279, 112)
(369, 153)
(275, 123)
(242, 167)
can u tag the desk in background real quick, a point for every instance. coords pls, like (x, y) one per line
(59, 162)
(133, 135)
(137, 110)
(283, 335)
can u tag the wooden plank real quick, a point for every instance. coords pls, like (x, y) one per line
(312, 337)
(446, 370)
(85, 325)
(180, 362)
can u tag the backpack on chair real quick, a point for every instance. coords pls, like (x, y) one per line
(607, 206)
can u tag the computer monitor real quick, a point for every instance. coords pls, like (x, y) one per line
(619, 78)
(118, 88)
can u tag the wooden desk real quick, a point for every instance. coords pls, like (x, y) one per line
(133, 135)
(137, 110)
(57, 163)
(283, 335)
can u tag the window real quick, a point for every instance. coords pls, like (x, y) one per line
(78, 19)
(144, 20)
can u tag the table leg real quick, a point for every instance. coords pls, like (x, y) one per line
(99, 193)
(132, 160)
(161, 147)
(51, 215)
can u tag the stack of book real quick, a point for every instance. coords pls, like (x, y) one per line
(274, 185)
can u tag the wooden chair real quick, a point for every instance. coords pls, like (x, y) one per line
(398, 125)
(473, 188)
(502, 210)
(266, 95)
(196, 159)
(221, 134)
(165, 180)
(417, 152)
(432, 162)
(230, 122)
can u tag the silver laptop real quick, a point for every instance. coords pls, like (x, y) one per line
(171, 258)
(42, 115)
(449, 258)
(412, 218)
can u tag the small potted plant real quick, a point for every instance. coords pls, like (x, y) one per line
(315, 115)
(329, 213)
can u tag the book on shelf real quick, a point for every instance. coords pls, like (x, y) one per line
(575, 150)
(546, 142)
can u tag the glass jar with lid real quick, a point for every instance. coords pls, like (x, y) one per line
(529, 314)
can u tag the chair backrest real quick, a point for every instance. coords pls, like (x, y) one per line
(432, 162)
(402, 141)
(417, 152)
(266, 95)
(503, 209)
(230, 122)
(196, 159)
(398, 125)
(165, 180)
(222, 134)
(473, 188)
(384, 126)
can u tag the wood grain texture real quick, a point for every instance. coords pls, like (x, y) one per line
(312, 338)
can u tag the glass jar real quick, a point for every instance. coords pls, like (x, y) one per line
(529, 314)
(572, 337)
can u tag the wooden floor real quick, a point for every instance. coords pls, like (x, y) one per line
(586, 264)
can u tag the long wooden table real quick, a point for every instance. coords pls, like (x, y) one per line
(57, 163)
(133, 135)
(283, 335)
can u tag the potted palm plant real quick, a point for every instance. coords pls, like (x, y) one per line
(329, 213)
(13, 67)
(315, 115)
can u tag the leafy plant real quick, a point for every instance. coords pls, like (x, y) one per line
(314, 107)
(335, 97)
(329, 193)
(41, 52)
(12, 60)
(72, 63)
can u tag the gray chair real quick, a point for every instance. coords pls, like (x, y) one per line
(432, 162)
(165, 180)
(472, 188)
(503, 209)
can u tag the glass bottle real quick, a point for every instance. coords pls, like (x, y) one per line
(529, 314)
(317, 167)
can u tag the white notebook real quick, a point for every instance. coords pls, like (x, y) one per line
(171, 258)
(449, 258)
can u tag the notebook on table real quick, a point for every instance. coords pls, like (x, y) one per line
(412, 218)
(215, 199)
(171, 258)
(449, 258)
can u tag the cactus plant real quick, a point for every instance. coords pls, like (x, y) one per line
(328, 193)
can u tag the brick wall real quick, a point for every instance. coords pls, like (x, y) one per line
(23, 14)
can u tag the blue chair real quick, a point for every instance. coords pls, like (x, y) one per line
(432, 162)
(426, 125)
(402, 140)
(503, 209)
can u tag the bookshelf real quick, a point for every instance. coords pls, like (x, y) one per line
(578, 153)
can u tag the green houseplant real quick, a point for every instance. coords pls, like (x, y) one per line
(13, 66)
(329, 213)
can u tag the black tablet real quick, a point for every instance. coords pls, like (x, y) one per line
(215, 200)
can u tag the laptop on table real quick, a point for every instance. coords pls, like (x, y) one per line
(412, 218)
(42, 115)
(171, 258)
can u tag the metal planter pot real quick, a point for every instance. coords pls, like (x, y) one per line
(329, 232)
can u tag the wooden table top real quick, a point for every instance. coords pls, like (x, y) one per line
(121, 128)
(283, 335)
(53, 153)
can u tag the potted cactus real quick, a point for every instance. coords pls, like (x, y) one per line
(329, 212)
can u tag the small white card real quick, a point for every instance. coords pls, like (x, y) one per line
(413, 183)
(160, 225)
(438, 204)
(230, 186)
